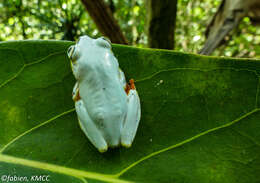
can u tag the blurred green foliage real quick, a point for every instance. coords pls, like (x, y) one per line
(43, 19)
(67, 19)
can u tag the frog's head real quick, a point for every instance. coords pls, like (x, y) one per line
(87, 52)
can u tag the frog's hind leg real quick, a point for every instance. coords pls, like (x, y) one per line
(132, 117)
(89, 128)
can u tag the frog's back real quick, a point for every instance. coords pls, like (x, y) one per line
(106, 100)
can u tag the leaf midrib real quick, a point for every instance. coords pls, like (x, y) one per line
(98, 176)
(60, 169)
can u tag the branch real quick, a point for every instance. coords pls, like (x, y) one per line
(227, 18)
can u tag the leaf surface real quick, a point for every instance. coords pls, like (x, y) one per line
(200, 118)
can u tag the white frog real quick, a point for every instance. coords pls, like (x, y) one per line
(108, 108)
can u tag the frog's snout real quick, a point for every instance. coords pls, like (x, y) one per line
(70, 51)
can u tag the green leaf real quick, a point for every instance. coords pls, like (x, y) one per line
(200, 118)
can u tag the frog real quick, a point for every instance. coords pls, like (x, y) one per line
(108, 108)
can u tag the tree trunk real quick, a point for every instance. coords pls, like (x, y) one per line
(161, 23)
(105, 22)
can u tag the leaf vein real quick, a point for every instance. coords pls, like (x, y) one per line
(74, 155)
(186, 141)
(13, 77)
(26, 65)
(248, 137)
(192, 69)
(83, 180)
(35, 127)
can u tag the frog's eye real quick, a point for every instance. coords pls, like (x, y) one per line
(104, 42)
(106, 39)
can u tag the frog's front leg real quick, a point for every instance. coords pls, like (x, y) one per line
(89, 128)
(132, 117)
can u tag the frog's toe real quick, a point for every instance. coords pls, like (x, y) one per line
(126, 144)
(102, 150)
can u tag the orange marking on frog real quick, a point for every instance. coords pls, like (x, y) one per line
(130, 86)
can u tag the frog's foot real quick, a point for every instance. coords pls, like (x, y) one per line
(89, 128)
(132, 117)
